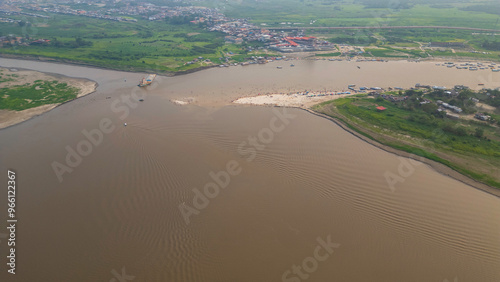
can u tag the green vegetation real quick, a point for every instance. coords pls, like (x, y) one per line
(407, 43)
(491, 45)
(485, 8)
(336, 54)
(465, 55)
(389, 52)
(39, 93)
(364, 12)
(158, 46)
(362, 39)
(469, 146)
(6, 77)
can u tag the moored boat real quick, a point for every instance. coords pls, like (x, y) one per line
(147, 80)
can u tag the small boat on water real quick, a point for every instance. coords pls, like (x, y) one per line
(147, 80)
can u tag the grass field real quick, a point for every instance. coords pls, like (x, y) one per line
(389, 52)
(6, 77)
(145, 45)
(22, 97)
(459, 55)
(364, 12)
(335, 54)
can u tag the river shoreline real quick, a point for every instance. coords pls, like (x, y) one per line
(441, 168)
(301, 55)
(84, 64)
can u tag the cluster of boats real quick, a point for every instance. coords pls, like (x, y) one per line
(351, 87)
(471, 66)
(363, 89)
(372, 60)
(327, 94)
(280, 67)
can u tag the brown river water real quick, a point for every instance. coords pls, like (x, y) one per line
(309, 201)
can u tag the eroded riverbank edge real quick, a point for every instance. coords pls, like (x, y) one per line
(301, 55)
(89, 65)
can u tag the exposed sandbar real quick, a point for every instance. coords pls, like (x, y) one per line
(9, 118)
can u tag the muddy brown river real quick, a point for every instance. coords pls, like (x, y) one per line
(218, 192)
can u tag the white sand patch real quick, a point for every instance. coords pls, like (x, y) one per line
(179, 102)
(185, 101)
(290, 100)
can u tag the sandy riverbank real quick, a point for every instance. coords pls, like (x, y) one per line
(9, 118)
(300, 100)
